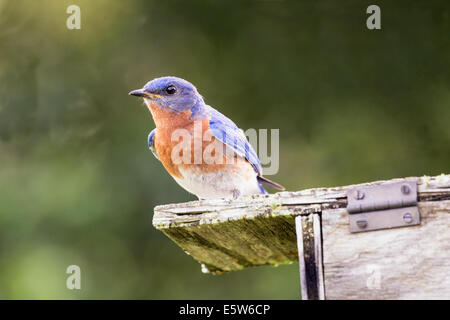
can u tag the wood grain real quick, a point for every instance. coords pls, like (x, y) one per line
(402, 263)
(227, 235)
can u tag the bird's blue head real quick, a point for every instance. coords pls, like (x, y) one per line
(172, 93)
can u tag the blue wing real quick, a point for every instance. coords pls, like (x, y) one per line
(226, 131)
(151, 143)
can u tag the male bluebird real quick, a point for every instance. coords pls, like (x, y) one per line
(179, 112)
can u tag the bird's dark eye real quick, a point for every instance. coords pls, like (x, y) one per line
(171, 89)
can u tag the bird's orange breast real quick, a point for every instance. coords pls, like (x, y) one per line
(167, 138)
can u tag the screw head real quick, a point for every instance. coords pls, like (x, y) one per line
(362, 224)
(405, 189)
(358, 195)
(407, 218)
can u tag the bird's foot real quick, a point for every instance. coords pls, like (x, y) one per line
(236, 193)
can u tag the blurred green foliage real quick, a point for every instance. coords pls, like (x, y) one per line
(78, 184)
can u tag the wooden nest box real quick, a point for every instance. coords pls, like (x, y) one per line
(378, 240)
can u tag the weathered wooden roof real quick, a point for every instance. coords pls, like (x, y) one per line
(226, 235)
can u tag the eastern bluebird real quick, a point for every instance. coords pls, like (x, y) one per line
(204, 169)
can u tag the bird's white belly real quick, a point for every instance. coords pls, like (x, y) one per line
(221, 184)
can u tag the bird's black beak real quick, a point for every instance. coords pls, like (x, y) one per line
(139, 93)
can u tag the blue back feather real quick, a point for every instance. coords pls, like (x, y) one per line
(226, 131)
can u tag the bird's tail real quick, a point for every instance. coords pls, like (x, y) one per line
(268, 182)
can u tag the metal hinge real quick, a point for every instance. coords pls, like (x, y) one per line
(383, 206)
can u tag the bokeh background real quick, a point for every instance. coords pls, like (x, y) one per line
(78, 184)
